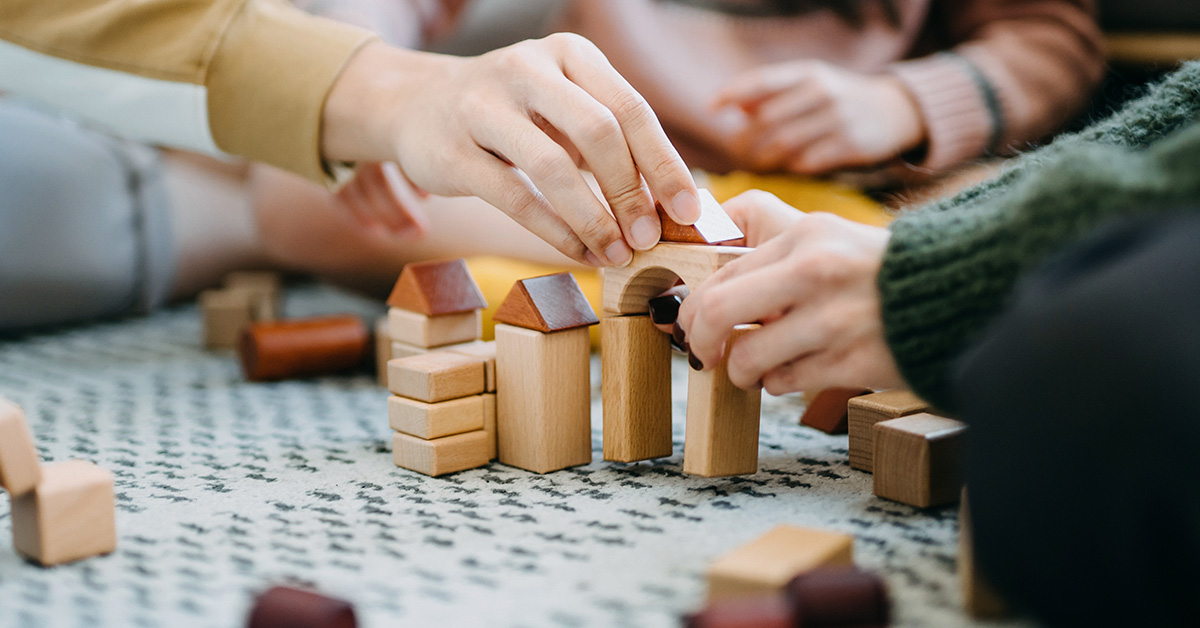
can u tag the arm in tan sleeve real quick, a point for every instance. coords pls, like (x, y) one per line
(1022, 69)
(247, 77)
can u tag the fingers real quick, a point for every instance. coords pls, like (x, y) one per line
(822, 156)
(792, 103)
(771, 347)
(775, 145)
(750, 89)
(664, 309)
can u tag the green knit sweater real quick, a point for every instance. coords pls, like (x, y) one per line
(951, 268)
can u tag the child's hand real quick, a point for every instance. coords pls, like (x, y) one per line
(378, 197)
(811, 117)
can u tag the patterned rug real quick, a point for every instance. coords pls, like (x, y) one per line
(225, 487)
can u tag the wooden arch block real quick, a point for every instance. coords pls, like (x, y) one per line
(628, 290)
(713, 226)
(547, 304)
(437, 288)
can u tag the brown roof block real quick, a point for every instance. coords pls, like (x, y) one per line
(713, 226)
(546, 304)
(436, 288)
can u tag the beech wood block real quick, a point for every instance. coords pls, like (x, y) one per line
(418, 329)
(489, 424)
(766, 564)
(437, 288)
(628, 290)
(865, 411)
(20, 470)
(303, 347)
(69, 516)
(226, 313)
(285, 607)
(435, 420)
(722, 422)
(440, 455)
(980, 600)
(636, 370)
(436, 376)
(546, 304)
(839, 596)
(543, 410)
(826, 411)
(713, 226)
(383, 350)
(403, 350)
(918, 459)
(263, 289)
(481, 349)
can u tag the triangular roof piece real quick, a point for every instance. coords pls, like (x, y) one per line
(713, 226)
(437, 287)
(546, 304)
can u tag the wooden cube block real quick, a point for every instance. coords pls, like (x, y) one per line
(436, 376)
(20, 470)
(766, 564)
(489, 424)
(68, 517)
(721, 437)
(226, 313)
(867, 410)
(543, 414)
(827, 411)
(440, 455)
(481, 349)
(404, 350)
(383, 350)
(980, 600)
(918, 459)
(435, 420)
(636, 364)
(263, 290)
(418, 329)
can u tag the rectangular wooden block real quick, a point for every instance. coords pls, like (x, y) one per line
(918, 459)
(485, 350)
(440, 455)
(543, 410)
(226, 313)
(383, 350)
(827, 411)
(68, 517)
(865, 411)
(767, 563)
(721, 437)
(980, 600)
(489, 424)
(435, 420)
(636, 365)
(20, 470)
(434, 331)
(437, 376)
(263, 290)
(405, 350)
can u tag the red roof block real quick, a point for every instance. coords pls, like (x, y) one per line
(546, 304)
(436, 288)
(713, 226)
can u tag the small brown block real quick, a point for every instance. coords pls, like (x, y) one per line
(980, 600)
(918, 459)
(721, 436)
(68, 517)
(226, 313)
(489, 424)
(867, 410)
(383, 350)
(435, 420)
(839, 596)
(420, 330)
(20, 470)
(636, 365)
(440, 455)
(436, 376)
(285, 607)
(546, 304)
(437, 288)
(485, 350)
(766, 564)
(302, 347)
(826, 411)
(755, 611)
(713, 226)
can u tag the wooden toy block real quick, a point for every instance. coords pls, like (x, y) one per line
(437, 376)
(546, 304)
(543, 411)
(489, 424)
(383, 350)
(766, 564)
(263, 289)
(226, 313)
(826, 411)
(440, 455)
(636, 365)
(918, 459)
(300, 348)
(839, 596)
(485, 350)
(434, 331)
(713, 226)
(285, 607)
(20, 470)
(435, 420)
(754, 611)
(404, 350)
(628, 290)
(69, 516)
(437, 288)
(867, 410)
(721, 437)
(980, 600)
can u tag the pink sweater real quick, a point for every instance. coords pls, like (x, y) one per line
(987, 74)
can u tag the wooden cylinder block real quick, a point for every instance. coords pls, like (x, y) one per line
(303, 347)
(285, 607)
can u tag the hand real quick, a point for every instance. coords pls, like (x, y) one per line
(811, 117)
(761, 216)
(503, 126)
(373, 197)
(813, 289)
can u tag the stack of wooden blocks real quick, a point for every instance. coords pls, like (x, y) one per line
(434, 305)
(61, 512)
(248, 297)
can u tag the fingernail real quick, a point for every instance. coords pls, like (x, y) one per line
(695, 361)
(665, 309)
(645, 232)
(687, 207)
(678, 335)
(591, 258)
(618, 253)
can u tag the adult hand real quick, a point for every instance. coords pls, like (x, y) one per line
(810, 117)
(813, 289)
(378, 196)
(503, 126)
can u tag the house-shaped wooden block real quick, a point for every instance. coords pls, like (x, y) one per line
(435, 304)
(713, 226)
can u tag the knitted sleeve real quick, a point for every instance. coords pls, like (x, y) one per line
(951, 268)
